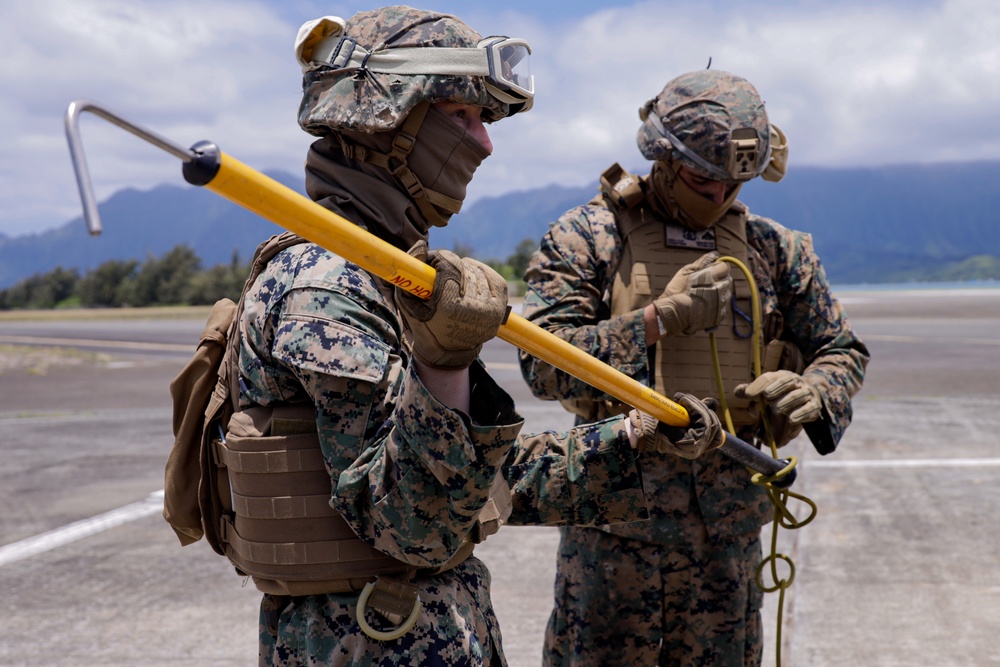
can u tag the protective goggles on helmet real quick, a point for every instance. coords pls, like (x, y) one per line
(502, 61)
(745, 161)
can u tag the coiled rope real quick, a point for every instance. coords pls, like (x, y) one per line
(783, 517)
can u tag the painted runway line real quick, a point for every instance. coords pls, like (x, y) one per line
(11, 553)
(153, 504)
(905, 463)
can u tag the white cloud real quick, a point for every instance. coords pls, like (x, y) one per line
(186, 70)
(851, 84)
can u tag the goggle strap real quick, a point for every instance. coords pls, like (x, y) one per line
(345, 53)
(333, 50)
(654, 119)
(423, 60)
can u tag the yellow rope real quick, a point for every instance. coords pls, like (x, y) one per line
(783, 518)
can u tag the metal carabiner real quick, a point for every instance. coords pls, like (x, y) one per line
(402, 628)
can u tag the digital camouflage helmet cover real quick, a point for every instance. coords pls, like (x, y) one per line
(710, 121)
(369, 72)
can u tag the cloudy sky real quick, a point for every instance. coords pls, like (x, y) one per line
(852, 83)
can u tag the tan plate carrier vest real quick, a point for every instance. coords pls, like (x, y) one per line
(652, 252)
(260, 492)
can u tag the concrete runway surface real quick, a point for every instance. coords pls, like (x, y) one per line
(900, 567)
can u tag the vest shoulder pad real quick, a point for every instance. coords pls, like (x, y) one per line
(620, 189)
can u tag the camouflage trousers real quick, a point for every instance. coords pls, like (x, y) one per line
(620, 601)
(456, 628)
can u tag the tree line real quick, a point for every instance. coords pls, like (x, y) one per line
(176, 278)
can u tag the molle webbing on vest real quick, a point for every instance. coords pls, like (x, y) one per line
(684, 363)
(280, 527)
(283, 531)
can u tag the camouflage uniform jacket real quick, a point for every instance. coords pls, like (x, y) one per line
(408, 474)
(568, 283)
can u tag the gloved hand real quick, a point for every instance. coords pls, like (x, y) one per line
(703, 434)
(786, 393)
(696, 297)
(467, 307)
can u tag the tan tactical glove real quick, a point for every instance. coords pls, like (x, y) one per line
(467, 307)
(786, 393)
(703, 434)
(696, 297)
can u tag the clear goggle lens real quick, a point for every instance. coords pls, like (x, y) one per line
(510, 65)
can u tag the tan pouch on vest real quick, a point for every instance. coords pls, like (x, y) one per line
(259, 492)
(201, 395)
(191, 391)
(651, 256)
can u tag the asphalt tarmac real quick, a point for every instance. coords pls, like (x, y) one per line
(900, 566)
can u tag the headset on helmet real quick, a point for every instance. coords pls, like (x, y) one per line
(712, 122)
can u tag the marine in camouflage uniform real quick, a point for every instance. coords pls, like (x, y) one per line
(409, 472)
(679, 588)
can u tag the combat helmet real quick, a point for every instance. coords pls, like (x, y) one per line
(370, 72)
(712, 122)
(369, 83)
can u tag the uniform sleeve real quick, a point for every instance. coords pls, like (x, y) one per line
(567, 280)
(407, 473)
(586, 476)
(418, 486)
(836, 358)
(430, 471)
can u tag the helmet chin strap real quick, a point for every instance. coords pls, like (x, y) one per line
(395, 162)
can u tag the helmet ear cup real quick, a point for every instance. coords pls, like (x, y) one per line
(778, 164)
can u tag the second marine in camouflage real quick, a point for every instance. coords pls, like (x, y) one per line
(632, 279)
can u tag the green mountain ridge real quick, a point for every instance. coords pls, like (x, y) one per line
(873, 225)
(897, 223)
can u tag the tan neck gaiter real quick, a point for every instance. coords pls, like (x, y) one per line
(694, 210)
(444, 159)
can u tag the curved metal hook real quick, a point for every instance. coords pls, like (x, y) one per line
(90, 214)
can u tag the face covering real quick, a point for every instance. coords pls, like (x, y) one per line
(694, 210)
(443, 159)
(432, 170)
(365, 194)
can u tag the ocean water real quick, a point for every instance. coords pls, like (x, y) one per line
(963, 285)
